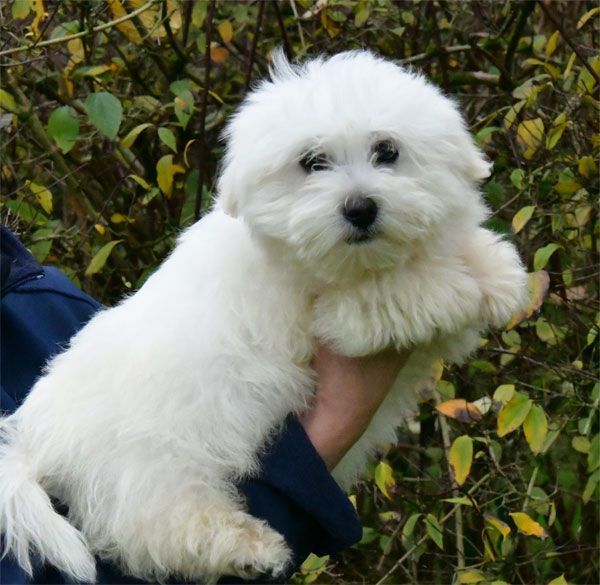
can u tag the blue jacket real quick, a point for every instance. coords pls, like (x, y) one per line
(42, 309)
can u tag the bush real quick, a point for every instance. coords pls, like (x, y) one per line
(110, 116)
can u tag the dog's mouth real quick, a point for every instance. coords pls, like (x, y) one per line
(361, 237)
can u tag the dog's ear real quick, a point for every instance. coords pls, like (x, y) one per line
(227, 198)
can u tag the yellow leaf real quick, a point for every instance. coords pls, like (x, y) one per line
(556, 131)
(581, 444)
(127, 141)
(461, 458)
(569, 66)
(567, 187)
(551, 44)
(502, 527)
(127, 28)
(166, 171)
(40, 14)
(100, 228)
(537, 288)
(384, 478)
(559, 581)
(119, 218)
(459, 409)
(530, 134)
(527, 525)
(42, 194)
(7, 101)
(521, 218)
(513, 414)
(587, 16)
(226, 31)
(76, 49)
(587, 167)
(100, 258)
(535, 427)
(470, 577)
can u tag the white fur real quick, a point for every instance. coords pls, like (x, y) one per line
(143, 425)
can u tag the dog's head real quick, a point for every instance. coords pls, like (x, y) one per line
(348, 161)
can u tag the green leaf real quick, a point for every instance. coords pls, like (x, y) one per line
(461, 458)
(594, 454)
(63, 127)
(100, 258)
(384, 478)
(462, 500)
(20, 9)
(521, 218)
(314, 563)
(409, 525)
(581, 444)
(517, 179)
(590, 486)
(361, 17)
(513, 414)
(504, 393)
(105, 113)
(168, 138)
(542, 255)
(129, 139)
(184, 106)
(535, 427)
(434, 530)
(559, 581)
(467, 577)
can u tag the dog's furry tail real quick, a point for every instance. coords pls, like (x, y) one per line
(28, 520)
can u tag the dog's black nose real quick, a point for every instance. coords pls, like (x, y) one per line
(360, 211)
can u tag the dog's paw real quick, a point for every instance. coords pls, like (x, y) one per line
(259, 551)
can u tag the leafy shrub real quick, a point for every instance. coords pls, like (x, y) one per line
(110, 118)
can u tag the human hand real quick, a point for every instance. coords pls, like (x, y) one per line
(349, 392)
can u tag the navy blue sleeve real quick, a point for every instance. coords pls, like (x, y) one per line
(294, 493)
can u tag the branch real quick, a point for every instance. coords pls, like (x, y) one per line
(569, 42)
(460, 543)
(425, 537)
(202, 130)
(81, 34)
(261, 10)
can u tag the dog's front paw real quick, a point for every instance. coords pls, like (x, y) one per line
(496, 266)
(259, 551)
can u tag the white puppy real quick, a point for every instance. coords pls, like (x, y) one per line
(348, 211)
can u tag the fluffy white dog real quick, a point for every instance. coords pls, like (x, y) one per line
(348, 212)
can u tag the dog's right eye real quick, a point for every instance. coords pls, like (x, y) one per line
(314, 162)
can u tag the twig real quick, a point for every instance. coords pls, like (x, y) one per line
(286, 42)
(203, 108)
(425, 537)
(530, 487)
(505, 79)
(261, 10)
(300, 32)
(567, 39)
(167, 26)
(187, 17)
(431, 54)
(460, 543)
(81, 34)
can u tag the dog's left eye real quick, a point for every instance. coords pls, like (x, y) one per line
(385, 153)
(314, 162)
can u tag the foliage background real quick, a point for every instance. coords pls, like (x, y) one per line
(110, 143)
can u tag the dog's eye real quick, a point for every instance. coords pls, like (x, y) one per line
(385, 153)
(314, 162)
